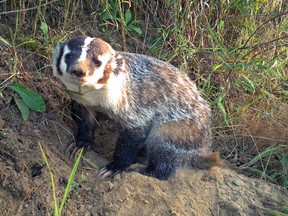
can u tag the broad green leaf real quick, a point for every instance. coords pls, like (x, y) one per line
(128, 16)
(24, 110)
(33, 100)
(44, 28)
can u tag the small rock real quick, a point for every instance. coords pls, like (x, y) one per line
(110, 186)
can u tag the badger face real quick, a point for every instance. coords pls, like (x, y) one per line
(84, 63)
(92, 72)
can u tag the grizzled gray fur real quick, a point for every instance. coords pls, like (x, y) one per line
(151, 100)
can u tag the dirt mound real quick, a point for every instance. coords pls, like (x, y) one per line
(25, 186)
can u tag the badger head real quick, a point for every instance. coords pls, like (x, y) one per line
(85, 62)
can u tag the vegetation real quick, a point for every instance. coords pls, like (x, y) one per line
(29, 99)
(236, 51)
(58, 209)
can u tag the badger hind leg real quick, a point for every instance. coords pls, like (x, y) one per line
(173, 145)
(166, 157)
(162, 162)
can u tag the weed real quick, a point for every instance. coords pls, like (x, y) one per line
(29, 100)
(118, 13)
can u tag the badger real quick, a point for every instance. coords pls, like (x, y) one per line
(151, 101)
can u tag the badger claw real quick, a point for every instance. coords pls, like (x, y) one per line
(107, 172)
(76, 145)
(72, 151)
(70, 148)
(104, 173)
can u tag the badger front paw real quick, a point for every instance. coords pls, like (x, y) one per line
(77, 144)
(110, 170)
(84, 141)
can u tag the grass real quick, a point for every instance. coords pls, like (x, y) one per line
(58, 209)
(236, 51)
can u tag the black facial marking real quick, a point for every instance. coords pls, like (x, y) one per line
(76, 43)
(59, 59)
(75, 46)
(67, 57)
(96, 62)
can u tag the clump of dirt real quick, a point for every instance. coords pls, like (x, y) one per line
(25, 185)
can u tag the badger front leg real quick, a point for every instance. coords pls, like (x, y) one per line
(85, 121)
(127, 147)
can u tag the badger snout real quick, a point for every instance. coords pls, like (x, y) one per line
(79, 70)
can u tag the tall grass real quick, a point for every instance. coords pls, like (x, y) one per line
(236, 51)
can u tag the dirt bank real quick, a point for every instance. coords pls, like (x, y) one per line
(25, 186)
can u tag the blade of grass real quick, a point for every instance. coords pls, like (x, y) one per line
(72, 175)
(52, 180)
(5, 41)
(266, 152)
(260, 172)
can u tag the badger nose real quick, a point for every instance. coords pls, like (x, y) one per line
(78, 72)
(78, 69)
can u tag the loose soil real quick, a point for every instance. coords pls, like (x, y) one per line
(25, 185)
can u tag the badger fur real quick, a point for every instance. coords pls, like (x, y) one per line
(151, 101)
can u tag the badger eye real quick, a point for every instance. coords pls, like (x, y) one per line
(96, 62)
(67, 57)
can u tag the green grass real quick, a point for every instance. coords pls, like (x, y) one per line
(58, 209)
(236, 51)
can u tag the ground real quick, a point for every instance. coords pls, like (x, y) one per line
(25, 185)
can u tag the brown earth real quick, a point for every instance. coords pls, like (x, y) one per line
(25, 186)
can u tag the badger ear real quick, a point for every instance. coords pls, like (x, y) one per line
(119, 64)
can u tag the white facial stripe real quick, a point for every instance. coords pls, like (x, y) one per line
(104, 58)
(114, 85)
(87, 41)
(63, 65)
(99, 72)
